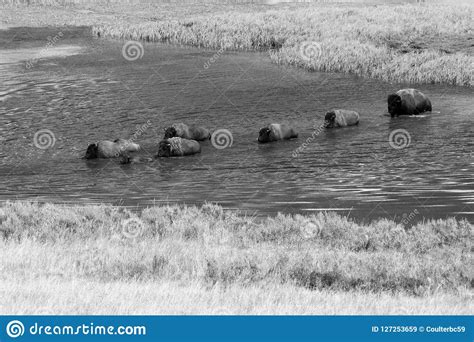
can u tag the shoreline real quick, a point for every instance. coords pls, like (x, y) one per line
(203, 260)
(362, 46)
(211, 253)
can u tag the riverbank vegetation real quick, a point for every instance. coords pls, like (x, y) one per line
(396, 43)
(209, 252)
(415, 44)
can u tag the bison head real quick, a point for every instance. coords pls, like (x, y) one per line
(164, 149)
(92, 151)
(170, 132)
(330, 119)
(264, 135)
(394, 104)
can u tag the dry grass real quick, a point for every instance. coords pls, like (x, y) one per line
(402, 43)
(204, 249)
(391, 43)
(59, 296)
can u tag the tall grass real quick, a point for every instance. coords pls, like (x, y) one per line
(397, 43)
(209, 246)
(416, 44)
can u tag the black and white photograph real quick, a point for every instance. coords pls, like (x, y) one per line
(236, 157)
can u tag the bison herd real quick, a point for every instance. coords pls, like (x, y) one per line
(182, 140)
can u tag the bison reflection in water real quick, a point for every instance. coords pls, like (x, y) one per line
(177, 147)
(275, 132)
(341, 118)
(128, 159)
(408, 102)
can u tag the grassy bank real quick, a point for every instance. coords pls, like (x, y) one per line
(209, 252)
(416, 44)
(403, 43)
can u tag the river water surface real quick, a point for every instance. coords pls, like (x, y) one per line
(83, 90)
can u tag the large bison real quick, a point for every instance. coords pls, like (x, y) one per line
(187, 132)
(110, 149)
(274, 132)
(341, 118)
(177, 147)
(408, 102)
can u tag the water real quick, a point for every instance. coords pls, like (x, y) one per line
(89, 91)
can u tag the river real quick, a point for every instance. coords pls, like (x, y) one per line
(83, 89)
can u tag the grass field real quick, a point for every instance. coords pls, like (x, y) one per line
(410, 43)
(205, 260)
